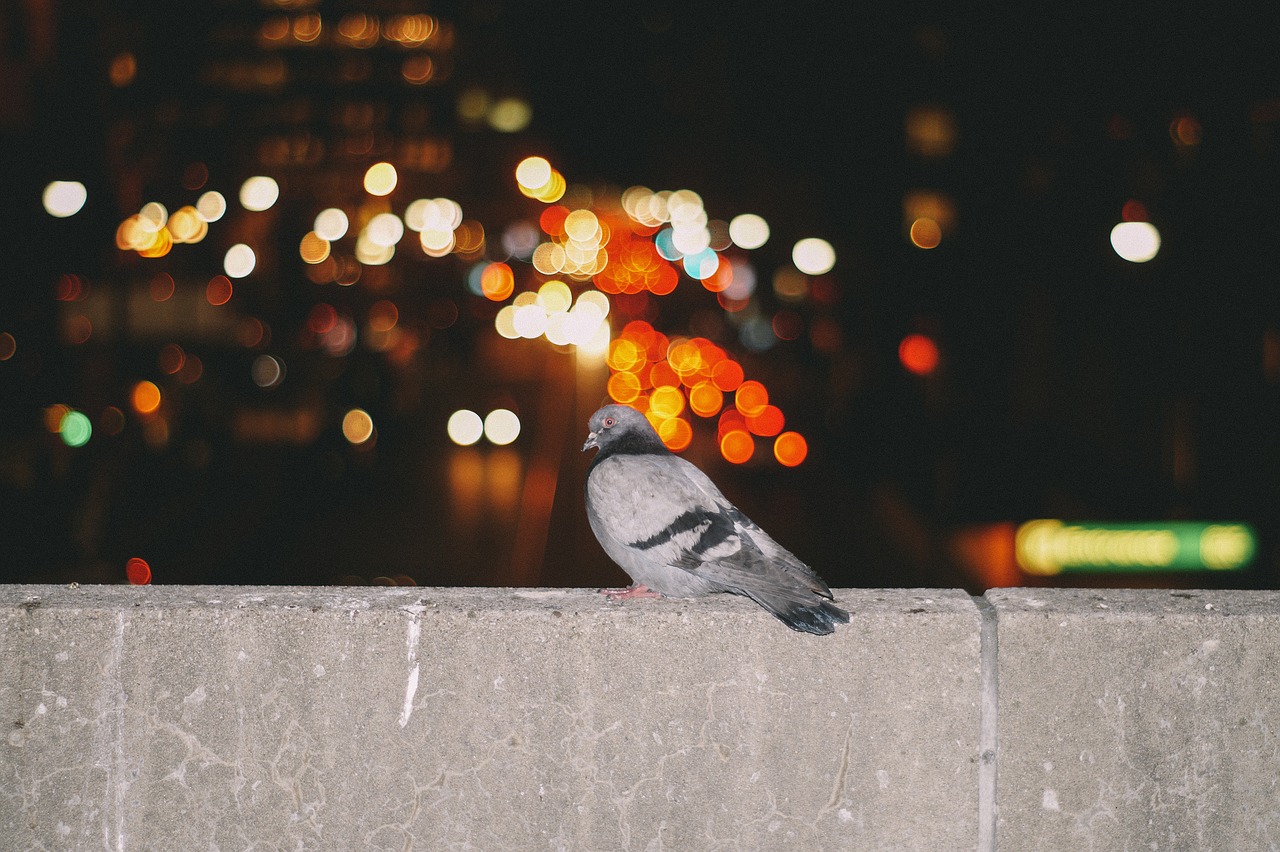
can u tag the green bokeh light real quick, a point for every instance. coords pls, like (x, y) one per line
(75, 429)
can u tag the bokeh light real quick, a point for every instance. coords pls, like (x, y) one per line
(259, 193)
(790, 448)
(813, 256)
(748, 231)
(211, 206)
(737, 446)
(8, 346)
(357, 426)
(267, 371)
(75, 429)
(501, 426)
(63, 198)
(218, 290)
(137, 571)
(331, 224)
(925, 233)
(676, 433)
(918, 354)
(1136, 242)
(380, 179)
(464, 427)
(145, 397)
(497, 282)
(750, 398)
(239, 261)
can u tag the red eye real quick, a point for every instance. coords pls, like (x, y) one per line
(609, 421)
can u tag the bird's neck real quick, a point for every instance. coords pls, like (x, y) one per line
(632, 445)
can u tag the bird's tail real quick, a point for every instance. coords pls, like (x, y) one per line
(818, 617)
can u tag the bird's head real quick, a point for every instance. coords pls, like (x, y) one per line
(620, 424)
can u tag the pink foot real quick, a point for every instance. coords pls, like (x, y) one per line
(636, 591)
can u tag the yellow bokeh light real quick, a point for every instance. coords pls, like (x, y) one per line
(313, 248)
(705, 399)
(533, 173)
(555, 296)
(259, 193)
(505, 322)
(530, 320)
(510, 115)
(497, 282)
(357, 426)
(676, 433)
(737, 446)
(623, 387)
(666, 401)
(63, 198)
(501, 426)
(813, 256)
(581, 225)
(186, 226)
(380, 179)
(1136, 242)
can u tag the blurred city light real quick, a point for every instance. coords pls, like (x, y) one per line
(501, 426)
(63, 198)
(380, 179)
(259, 193)
(1048, 547)
(357, 426)
(813, 256)
(465, 427)
(1136, 242)
(239, 261)
(75, 429)
(918, 354)
(748, 231)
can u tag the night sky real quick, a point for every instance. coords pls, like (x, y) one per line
(1071, 384)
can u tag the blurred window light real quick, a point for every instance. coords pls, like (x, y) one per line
(813, 256)
(259, 193)
(239, 261)
(380, 179)
(63, 198)
(501, 426)
(1136, 242)
(748, 231)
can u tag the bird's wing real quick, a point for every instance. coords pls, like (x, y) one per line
(666, 511)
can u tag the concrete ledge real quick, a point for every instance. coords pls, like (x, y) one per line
(1138, 720)
(385, 718)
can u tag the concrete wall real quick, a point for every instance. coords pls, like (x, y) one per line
(237, 718)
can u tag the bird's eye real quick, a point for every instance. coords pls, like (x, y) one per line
(609, 421)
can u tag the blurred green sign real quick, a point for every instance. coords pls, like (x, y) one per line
(1050, 547)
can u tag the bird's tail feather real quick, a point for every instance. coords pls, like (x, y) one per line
(817, 617)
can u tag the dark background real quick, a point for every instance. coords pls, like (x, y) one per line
(1072, 384)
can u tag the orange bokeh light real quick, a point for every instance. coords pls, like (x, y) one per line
(768, 422)
(919, 354)
(677, 434)
(705, 399)
(666, 401)
(727, 375)
(145, 397)
(751, 398)
(497, 282)
(661, 375)
(790, 448)
(624, 387)
(737, 446)
(218, 291)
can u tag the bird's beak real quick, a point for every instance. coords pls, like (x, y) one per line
(591, 442)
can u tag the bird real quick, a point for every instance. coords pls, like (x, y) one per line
(665, 523)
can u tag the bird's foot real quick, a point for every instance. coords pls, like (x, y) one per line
(636, 591)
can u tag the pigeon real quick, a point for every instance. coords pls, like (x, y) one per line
(667, 525)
